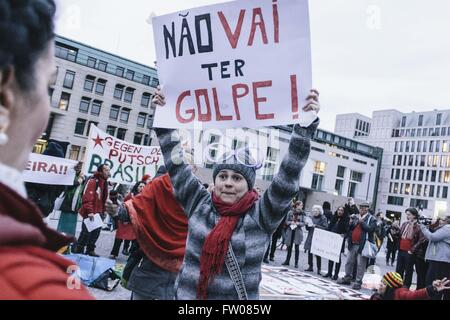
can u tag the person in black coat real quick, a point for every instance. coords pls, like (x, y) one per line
(339, 224)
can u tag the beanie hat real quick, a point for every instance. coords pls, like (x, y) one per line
(393, 280)
(248, 172)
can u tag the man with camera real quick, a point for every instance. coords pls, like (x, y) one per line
(438, 251)
(362, 228)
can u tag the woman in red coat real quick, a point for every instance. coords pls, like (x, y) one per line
(30, 267)
(391, 288)
(125, 232)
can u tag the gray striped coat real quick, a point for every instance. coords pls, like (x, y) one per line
(253, 230)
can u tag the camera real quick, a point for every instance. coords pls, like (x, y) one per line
(424, 220)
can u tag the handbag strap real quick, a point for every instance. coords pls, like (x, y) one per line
(235, 273)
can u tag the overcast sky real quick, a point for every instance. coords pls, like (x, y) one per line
(367, 54)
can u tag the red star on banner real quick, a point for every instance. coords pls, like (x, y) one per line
(98, 141)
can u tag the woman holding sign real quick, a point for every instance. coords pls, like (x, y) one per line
(228, 229)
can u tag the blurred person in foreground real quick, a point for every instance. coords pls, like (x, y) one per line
(31, 269)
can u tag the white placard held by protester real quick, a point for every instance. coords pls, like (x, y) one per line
(128, 162)
(49, 170)
(326, 244)
(94, 224)
(238, 64)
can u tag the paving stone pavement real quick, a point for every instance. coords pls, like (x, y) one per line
(106, 241)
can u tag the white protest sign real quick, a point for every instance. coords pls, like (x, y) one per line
(49, 170)
(327, 244)
(128, 162)
(239, 64)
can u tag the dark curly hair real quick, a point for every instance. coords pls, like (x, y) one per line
(26, 27)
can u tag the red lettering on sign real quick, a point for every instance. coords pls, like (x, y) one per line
(262, 27)
(189, 111)
(257, 100)
(233, 37)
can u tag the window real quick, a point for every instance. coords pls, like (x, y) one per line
(121, 133)
(269, 170)
(338, 186)
(351, 189)
(356, 176)
(69, 79)
(410, 160)
(396, 146)
(419, 132)
(147, 140)
(64, 101)
(119, 71)
(124, 115)
(155, 82)
(96, 107)
(431, 194)
(150, 121)
(272, 154)
(100, 87)
(89, 83)
(91, 62)
(80, 126)
(433, 176)
(438, 146)
(138, 138)
(443, 130)
(317, 181)
(111, 130)
(395, 201)
(413, 132)
(407, 146)
(319, 167)
(397, 174)
(114, 113)
(438, 119)
(102, 65)
(74, 152)
(446, 176)
(419, 203)
(129, 75)
(420, 122)
(444, 192)
(408, 174)
(340, 171)
(89, 126)
(419, 190)
(145, 101)
(129, 95)
(141, 120)
(403, 121)
(84, 104)
(419, 146)
(118, 92)
(146, 80)
(67, 53)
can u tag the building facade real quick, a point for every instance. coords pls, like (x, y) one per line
(337, 168)
(416, 160)
(94, 86)
(114, 93)
(352, 125)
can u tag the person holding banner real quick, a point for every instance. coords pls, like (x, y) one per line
(69, 208)
(30, 267)
(228, 230)
(318, 220)
(294, 234)
(339, 224)
(93, 203)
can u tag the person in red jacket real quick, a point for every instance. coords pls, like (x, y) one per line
(93, 202)
(391, 288)
(30, 267)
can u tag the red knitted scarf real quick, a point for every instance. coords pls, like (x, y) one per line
(216, 243)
